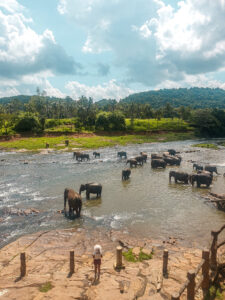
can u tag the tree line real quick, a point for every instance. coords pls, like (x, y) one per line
(40, 112)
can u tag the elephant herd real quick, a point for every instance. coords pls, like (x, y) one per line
(204, 176)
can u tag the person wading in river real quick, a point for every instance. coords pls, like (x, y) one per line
(97, 259)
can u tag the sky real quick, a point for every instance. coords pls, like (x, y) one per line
(110, 48)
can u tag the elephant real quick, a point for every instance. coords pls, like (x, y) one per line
(197, 167)
(140, 160)
(91, 188)
(158, 163)
(75, 154)
(211, 169)
(172, 151)
(179, 176)
(171, 160)
(82, 156)
(144, 155)
(126, 174)
(200, 179)
(96, 154)
(74, 201)
(156, 156)
(132, 162)
(205, 172)
(122, 154)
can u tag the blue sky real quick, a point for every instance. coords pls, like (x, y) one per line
(110, 49)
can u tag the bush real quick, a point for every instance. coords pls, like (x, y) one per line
(28, 123)
(110, 121)
(51, 123)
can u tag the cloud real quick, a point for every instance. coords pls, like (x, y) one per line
(109, 89)
(152, 42)
(23, 51)
(103, 69)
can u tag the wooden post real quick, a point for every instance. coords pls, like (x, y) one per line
(67, 142)
(175, 296)
(22, 264)
(47, 145)
(71, 262)
(191, 285)
(213, 260)
(205, 270)
(165, 262)
(119, 263)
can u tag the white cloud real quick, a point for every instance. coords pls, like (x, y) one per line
(109, 89)
(23, 51)
(153, 42)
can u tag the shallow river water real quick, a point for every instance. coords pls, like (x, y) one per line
(146, 205)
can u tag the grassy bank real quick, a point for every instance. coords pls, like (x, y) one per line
(90, 142)
(207, 146)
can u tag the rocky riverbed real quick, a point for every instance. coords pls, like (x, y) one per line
(47, 277)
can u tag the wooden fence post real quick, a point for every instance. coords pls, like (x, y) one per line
(191, 285)
(213, 260)
(67, 143)
(165, 262)
(205, 271)
(175, 296)
(22, 264)
(119, 262)
(71, 262)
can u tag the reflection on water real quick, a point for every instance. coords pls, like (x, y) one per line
(147, 204)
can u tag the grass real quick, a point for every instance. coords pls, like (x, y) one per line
(129, 256)
(90, 142)
(45, 287)
(208, 146)
(154, 124)
(214, 293)
(140, 125)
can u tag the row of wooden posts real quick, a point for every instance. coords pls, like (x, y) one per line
(207, 264)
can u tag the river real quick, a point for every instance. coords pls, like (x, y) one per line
(146, 205)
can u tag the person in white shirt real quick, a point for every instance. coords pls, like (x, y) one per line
(97, 259)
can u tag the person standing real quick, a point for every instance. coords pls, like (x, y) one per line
(97, 260)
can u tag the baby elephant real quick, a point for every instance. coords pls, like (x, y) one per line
(74, 201)
(126, 174)
(96, 154)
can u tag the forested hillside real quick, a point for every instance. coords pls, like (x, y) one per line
(194, 97)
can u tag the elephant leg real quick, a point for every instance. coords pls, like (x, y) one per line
(198, 184)
(175, 180)
(87, 195)
(70, 211)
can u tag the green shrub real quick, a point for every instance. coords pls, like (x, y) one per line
(45, 287)
(129, 256)
(28, 124)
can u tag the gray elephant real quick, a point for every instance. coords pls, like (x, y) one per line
(126, 174)
(200, 179)
(132, 162)
(158, 163)
(96, 154)
(205, 172)
(75, 154)
(74, 202)
(145, 156)
(171, 160)
(156, 156)
(179, 176)
(91, 188)
(122, 154)
(140, 160)
(211, 169)
(172, 151)
(82, 156)
(197, 167)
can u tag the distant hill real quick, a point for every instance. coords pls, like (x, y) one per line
(25, 99)
(194, 97)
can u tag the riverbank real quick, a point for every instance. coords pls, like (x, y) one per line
(88, 141)
(47, 275)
